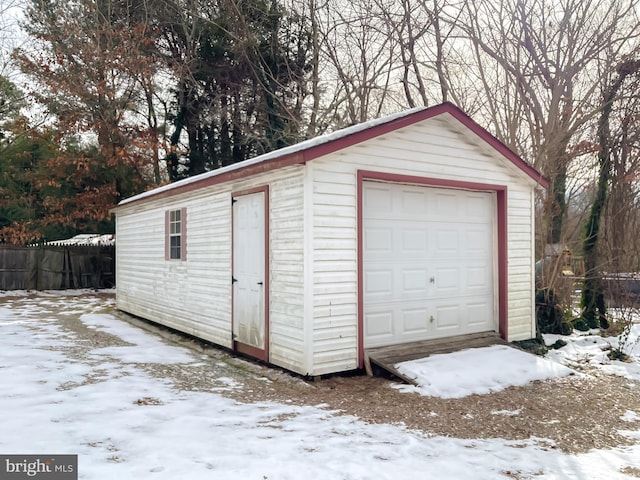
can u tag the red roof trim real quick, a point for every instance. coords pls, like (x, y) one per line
(318, 150)
(497, 145)
(378, 130)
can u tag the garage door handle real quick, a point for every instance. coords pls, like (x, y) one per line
(432, 280)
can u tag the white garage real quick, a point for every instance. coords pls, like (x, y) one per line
(411, 227)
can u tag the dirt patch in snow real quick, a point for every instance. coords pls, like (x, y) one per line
(574, 414)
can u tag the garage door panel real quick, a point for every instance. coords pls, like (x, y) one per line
(413, 202)
(446, 280)
(414, 241)
(447, 243)
(447, 317)
(478, 314)
(478, 279)
(446, 204)
(477, 205)
(415, 320)
(478, 241)
(378, 199)
(378, 240)
(431, 272)
(379, 283)
(415, 281)
(379, 327)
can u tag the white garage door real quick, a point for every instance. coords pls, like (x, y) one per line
(428, 263)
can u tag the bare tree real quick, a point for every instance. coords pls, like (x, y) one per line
(427, 60)
(360, 52)
(11, 36)
(539, 66)
(592, 292)
(620, 232)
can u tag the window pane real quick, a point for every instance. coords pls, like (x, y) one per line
(174, 250)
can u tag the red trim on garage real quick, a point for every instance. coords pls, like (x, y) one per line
(501, 200)
(503, 276)
(167, 242)
(260, 354)
(320, 146)
(183, 234)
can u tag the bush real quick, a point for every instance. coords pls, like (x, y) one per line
(579, 323)
(533, 345)
(566, 328)
(558, 345)
(549, 315)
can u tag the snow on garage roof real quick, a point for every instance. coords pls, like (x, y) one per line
(331, 142)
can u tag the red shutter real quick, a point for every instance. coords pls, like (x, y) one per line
(167, 241)
(183, 233)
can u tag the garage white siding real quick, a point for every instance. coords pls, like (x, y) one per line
(428, 149)
(286, 262)
(172, 292)
(521, 248)
(194, 296)
(335, 267)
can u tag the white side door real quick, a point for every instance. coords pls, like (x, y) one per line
(249, 285)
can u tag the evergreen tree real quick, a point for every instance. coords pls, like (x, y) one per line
(241, 70)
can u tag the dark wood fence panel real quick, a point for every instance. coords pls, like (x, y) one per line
(622, 291)
(49, 267)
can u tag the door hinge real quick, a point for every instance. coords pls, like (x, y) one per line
(233, 200)
(233, 280)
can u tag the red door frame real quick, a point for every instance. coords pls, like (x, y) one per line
(501, 201)
(238, 346)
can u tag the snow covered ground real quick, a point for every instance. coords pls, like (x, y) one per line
(589, 349)
(478, 370)
(61, 393)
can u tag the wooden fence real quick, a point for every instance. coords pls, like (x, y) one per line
(49, 267)
(622, 290)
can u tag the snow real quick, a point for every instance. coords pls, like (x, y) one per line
(87, 239)
(125, 423)
(630, 416)
(589, 349)
(142, 347)
(478, 370)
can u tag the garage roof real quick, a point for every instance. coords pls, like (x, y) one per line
(325, 144)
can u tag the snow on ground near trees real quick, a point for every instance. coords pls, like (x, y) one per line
(589, 349)
(124, 423)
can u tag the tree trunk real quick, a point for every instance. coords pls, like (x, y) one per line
(593, 306)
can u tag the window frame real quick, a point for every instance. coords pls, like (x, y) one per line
(175, 232)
